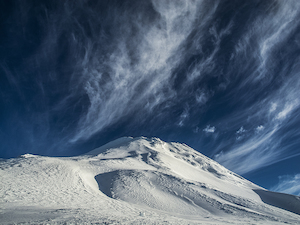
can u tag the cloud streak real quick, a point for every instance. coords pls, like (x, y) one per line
(265, 115)
(209, 129)
(288, 184)
(99, 70)
(265, 144)
(138, 73)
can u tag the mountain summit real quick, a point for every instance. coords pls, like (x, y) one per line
(136, 181)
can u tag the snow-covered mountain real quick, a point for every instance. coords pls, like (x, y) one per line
(136, 181)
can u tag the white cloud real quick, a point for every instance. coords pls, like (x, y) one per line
(259, 128)
(209, 129)
(240, 134)
(241, 130)
(250, 155)
(183, 117)
(134, 76)
(288, 184)
(261, 147)
(201, 97)
(288, 108)
(273, 107)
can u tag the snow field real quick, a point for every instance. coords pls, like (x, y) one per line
(135, 181)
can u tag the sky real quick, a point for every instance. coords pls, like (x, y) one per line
(222, 76)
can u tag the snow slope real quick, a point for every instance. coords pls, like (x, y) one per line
(136, 181)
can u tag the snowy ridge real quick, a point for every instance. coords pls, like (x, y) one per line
(136, 181)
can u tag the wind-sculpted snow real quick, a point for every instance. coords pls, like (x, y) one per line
(135, 181)
(164, 192)
(281, 200)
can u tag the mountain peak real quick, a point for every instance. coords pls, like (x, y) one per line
(137, 176)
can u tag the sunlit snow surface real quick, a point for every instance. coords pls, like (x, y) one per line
(136, 181)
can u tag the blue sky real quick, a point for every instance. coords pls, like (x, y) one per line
(220, 76)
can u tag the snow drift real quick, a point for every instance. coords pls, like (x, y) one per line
(136, 181)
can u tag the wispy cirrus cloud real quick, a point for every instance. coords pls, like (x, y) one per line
(263, 38)
(138, 74)
(269, 113)
(241, 130)
(209, 129)
(226, 70)
(252, 154)
(264, 144)
(289, 184)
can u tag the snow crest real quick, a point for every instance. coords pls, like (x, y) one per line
(136, 181)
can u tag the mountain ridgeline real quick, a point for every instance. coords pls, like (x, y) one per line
(136, 181)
